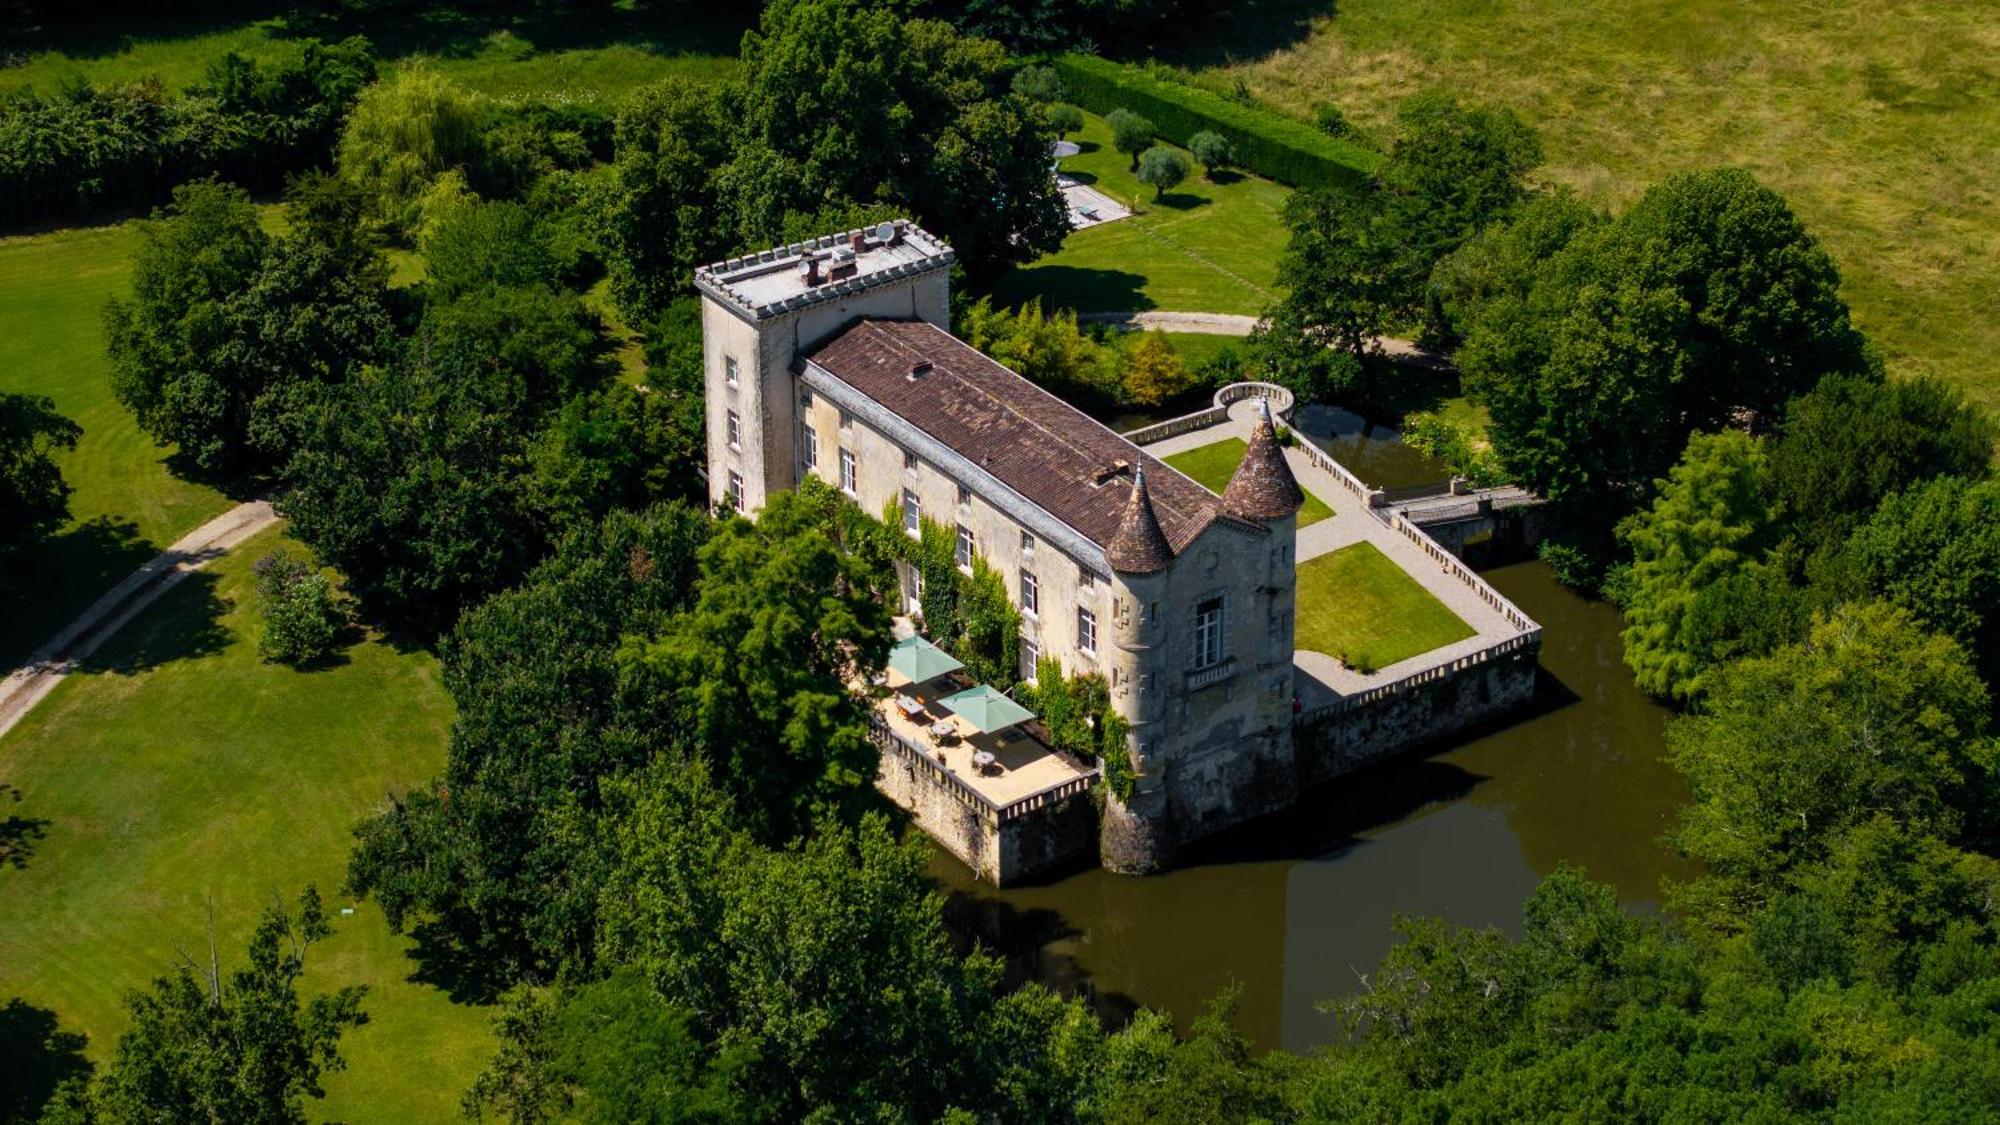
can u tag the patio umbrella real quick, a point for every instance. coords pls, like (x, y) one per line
(917, 660)
(986, 709)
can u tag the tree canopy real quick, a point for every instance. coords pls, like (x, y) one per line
(34, 498)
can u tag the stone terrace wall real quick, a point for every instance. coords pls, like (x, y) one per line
(1420, 709)
(1039, 834)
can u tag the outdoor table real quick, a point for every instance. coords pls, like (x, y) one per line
(982, 759)
(942, 729)
(908, 706)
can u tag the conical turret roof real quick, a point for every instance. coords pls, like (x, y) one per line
(1263, 487)
(1139, 547)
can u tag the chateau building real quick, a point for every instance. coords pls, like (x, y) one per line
(834, 357)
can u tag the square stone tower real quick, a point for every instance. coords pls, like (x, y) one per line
(759, 313)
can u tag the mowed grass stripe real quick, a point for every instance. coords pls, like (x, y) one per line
(1358, 606)
(1215, 463)
(181, 772)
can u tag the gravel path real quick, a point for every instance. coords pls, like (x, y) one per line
(1231, 324)
(31, 682)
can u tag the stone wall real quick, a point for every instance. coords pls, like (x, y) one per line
(1004, 846)
(1353, 733)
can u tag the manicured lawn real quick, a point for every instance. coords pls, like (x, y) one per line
(1878, 119)
(1207, 247)
(1358, 606)
(1215, 463)
(182, 774)
(595, 60)
(126, 505)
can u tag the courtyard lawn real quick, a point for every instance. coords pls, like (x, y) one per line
(1215, 463)
(1878, 119)
(180, 774)
(1361, 608)
(1206, 247)
(126, 505)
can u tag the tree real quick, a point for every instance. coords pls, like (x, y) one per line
(1851, 441)
(1154, 373)
(172, 360)
(1709, 523)
(1935, 551)
(1039, 84)
(1213, 150)
(1340, 289)
(1131, 134)
(1871, 715)
(496, 853)
(1162, 167)
(1050, 350)
(1064, 118)
(1704, 305)
(205, 1048)
(303, 617)
(762, 669)
(669, 217)
(34, 498)
(404, 132)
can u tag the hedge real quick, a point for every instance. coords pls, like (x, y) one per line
(1291, 152)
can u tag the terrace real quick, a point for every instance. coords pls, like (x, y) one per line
(992, 753)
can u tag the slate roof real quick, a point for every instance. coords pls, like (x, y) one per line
(1059, 458)
(1140, 547)
(1263, 487)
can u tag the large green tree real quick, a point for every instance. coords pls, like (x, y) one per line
(1705, 304)
(1872, 714)
(207, 1047)
(34, 498)
(1710, 524)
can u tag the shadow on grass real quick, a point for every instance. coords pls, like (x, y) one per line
(1223, 177)
(18, 836)
(1246, 29)
(185, 624)
(1074, 287)
(36, 1056)
(1181, 201)
(49, 585)
(465, 976)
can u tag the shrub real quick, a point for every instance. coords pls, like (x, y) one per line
(1039, 83)
(1065, 118)
(1288, 151)
(303, 616)
(1212, 149)
(1163, 168)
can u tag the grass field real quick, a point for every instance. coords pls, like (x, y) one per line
(1359, 607)
(594, 60)
(180, 773)
(1215, 463)
(1207, 247)
(126, 504)
(1878, 119)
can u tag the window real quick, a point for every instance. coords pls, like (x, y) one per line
(735, 431)
(1031, 593)
(805, 399)
(729, 369)
(847, 471)
(846, 420)
(1084, 579)
(1027, 545)
(1086, 631)
(1208, 633)
(736, 491)
(812, 448)
(963, 554)
(1031, 655)
(964, 496)
(909, 461)
(913, 513)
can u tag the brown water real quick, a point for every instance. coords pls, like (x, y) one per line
(1297, 907)
(1370, 450)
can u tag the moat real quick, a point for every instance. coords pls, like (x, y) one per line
(1297, 907)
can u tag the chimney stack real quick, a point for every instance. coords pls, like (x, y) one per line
(809, 266)
(858, 241)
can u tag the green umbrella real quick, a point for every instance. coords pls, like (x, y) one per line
(987, 710)
(918, 660)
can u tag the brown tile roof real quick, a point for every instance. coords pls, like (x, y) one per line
(1263, 487)
(1140, 547)
(1055, 455)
